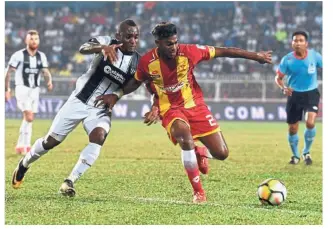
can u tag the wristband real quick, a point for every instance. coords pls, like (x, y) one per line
(118, 93)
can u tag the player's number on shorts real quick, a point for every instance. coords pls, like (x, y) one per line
(211, 120)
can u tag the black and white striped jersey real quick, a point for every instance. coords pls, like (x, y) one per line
(28, 67)
(103, 77)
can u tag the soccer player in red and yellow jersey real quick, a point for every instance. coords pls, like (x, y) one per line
(167, 71)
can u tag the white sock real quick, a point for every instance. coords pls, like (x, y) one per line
(189, 159)
(27, 134)
(37, 150)
(87, 157)
(20, 141)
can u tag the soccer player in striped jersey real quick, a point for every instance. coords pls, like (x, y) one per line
(168, 71)
(28, 64)
(300, 69)
(114, 64)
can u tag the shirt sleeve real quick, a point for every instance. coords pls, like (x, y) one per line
(44, 61)
(319, 59)
(283, 67)
(14, 60)
(140, 74)
(201, 52)
(104, 40)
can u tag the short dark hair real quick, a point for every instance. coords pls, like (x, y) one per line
(32, 32)
(164, 30)
(300, 32)
(125, 22)
(129, 22)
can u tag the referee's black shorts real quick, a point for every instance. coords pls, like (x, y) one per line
(300, 103)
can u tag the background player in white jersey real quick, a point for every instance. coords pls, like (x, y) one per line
(27, 64)
(114, 63)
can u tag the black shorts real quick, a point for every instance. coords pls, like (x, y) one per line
(300, 103)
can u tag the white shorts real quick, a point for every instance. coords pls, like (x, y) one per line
(27, 98)
(73, 112)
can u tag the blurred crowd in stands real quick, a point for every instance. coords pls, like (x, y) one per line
(249, 25)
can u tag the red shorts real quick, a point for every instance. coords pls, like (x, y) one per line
(199, 119)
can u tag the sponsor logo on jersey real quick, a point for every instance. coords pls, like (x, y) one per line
(31, 70)
(113, 73)
(155, 74)
(173, 88)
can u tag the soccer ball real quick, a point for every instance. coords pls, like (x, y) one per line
(272, 191)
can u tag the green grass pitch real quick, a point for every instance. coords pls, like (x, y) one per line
(139, 179)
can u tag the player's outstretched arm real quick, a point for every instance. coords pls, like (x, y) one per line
(92, 47)
(48, 78)
(9, 72)
(262, 56)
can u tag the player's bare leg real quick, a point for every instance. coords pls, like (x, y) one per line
(181, 132)
(24, 140)
(87, 157)
(39, 148)
(293, 142)
(309, 135)
(217, 145)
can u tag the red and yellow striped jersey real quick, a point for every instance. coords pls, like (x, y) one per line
(172, 81)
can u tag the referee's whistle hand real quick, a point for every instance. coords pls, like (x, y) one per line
(288, 91)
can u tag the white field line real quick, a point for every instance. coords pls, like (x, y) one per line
(226, 206)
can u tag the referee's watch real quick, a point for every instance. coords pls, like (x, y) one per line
(282, 89)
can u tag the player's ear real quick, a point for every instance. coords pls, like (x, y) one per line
(26, 39)
(118, 36)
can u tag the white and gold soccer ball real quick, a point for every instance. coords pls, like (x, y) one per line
(272, 192)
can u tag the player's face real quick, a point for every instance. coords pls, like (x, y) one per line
(299, 43)
(168, 47)
(32, 41)
(129, 36)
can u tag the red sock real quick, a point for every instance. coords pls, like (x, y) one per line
(194, 177)
(201, 151)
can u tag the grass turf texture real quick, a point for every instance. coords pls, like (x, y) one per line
(139, 179)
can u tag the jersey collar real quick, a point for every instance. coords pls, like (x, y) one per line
(306, 55)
